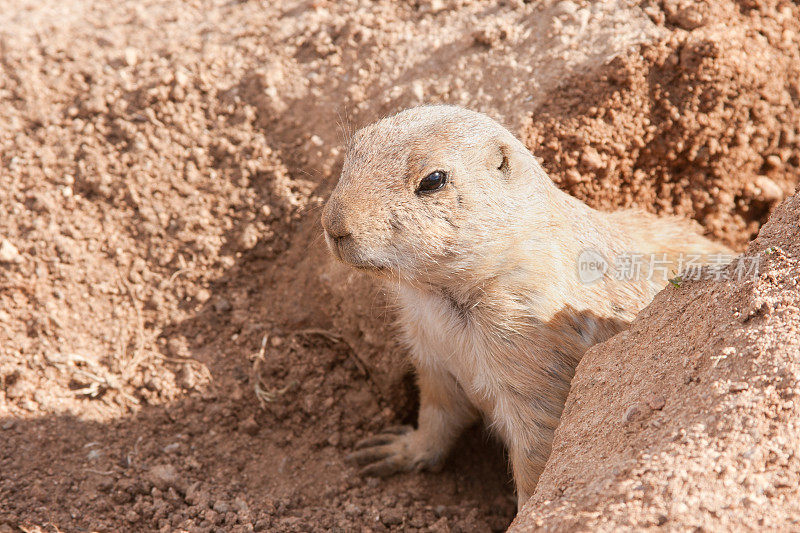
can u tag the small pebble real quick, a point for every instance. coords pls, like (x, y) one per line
(222, 306)
(656, 402)
(248, 237)
(770, 191)
(202, 296)
(591, 159)
(738, 386)
(131, 56)
(181, 78)
(566, 8)
(573, 176)
(187, 378)
(176, 347)
(391, 517)
(249, 426)
(174, 447)
(774, 161)
(105, 483)
(221, 507)
(164, 476)
(9, 252)
(633, 413)
(418, 90)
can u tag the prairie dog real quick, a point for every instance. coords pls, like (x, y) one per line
(483, 252)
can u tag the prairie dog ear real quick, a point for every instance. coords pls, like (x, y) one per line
(499, 157)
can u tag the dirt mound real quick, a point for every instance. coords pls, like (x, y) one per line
(703, 124)
(177, 349)
(688, 418)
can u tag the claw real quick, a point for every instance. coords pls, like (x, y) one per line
(384, 468)
(391, 452)
(370, 455)
(376, 440)
(387, 436)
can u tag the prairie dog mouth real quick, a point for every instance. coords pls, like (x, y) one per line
(333, 246)
(347, 251)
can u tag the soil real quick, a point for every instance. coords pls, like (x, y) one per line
(682, 423)
(177, 349)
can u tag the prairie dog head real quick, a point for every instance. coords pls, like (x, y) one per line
(432, 192)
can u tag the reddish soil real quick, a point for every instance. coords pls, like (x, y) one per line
(177, 349)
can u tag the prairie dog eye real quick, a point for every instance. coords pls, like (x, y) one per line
(432, 182)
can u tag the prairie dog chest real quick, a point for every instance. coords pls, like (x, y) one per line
(443, 339)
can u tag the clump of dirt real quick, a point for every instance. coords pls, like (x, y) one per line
(177, 348)
(704, 124)
(687, 419)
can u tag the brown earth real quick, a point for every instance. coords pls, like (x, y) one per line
(686, 422)
(177, 349)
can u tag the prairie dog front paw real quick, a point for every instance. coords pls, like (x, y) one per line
(400, 449)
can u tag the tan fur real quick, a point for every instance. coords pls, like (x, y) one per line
(485, 271)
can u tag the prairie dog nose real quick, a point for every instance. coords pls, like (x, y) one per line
(334, 220)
